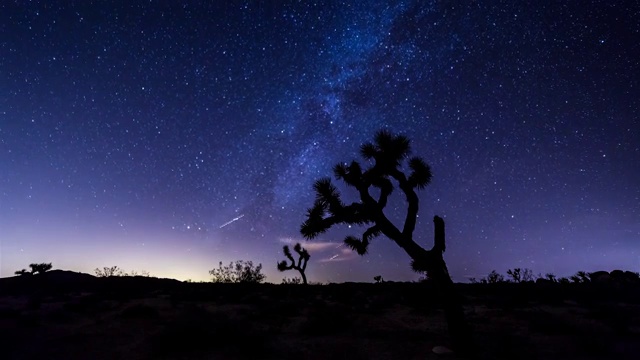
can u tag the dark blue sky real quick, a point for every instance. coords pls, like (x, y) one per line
(169, 137)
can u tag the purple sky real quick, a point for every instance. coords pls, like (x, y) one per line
(167, 138)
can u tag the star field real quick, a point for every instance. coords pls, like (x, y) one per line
(168, 137)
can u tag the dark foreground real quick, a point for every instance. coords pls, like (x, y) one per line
(65, 315)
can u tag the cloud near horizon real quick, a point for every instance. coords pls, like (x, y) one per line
(328, 251)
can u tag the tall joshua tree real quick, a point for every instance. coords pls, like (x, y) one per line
(387, 153)
(303, 259)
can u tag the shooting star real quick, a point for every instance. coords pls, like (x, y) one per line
(333, 257)
(231, 221)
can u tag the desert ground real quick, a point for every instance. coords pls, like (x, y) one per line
(67, 315)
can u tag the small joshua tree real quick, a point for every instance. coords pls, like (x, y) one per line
(40, 268)
(303, 259)
(386, 154)
(378, 279)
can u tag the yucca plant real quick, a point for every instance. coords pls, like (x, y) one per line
(301, 265)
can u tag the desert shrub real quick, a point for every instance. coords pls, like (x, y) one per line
(197, 333)
(108, 271)
(40, 268)
(494, 277)
(9, 313)
(36, 268)
(519, 275)
(140, 311)
(116, 271)
(378, 279)
(86, 304)
(580, 277)
(292, 281)
(239, 271)
(34, 302)
(549, 324)
(511, 345)
(328, 320)
(22, 272)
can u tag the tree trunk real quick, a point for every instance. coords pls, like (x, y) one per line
(459, 330)
(304, 277)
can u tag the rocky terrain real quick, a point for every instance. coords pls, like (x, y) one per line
(66, 315)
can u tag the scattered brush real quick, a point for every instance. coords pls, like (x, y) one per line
(198, 332)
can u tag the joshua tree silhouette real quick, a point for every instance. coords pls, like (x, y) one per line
(301, 266)
(387, 152)
(40, 268)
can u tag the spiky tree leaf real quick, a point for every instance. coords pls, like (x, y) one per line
(287, 252)
(420, 174)
(311, 229)
(391, 149)
(383, 138)
(325, 191)
(340, 171)
(282, 266)
(355, 169)
(351, 174)
(328, 194)
(356, 244)
(317, 211)
(368, 151)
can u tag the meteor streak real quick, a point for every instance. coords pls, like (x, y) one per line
(231, 221)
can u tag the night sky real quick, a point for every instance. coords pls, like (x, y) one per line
(166, 137)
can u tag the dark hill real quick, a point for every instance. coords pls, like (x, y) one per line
(64, 281)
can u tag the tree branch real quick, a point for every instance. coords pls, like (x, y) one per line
(412, 200)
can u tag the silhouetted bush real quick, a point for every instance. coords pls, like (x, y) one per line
(140, 311)
(328, 320)
(116, 271)
(493, 278)
(239, 271)
(22, 272)
(35, 269)
(108, 271)
(198, 333)
(292, 281)
(580, 277)
(40, 268)
(519, 275)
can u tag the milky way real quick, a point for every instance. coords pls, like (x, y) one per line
(168, 138)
